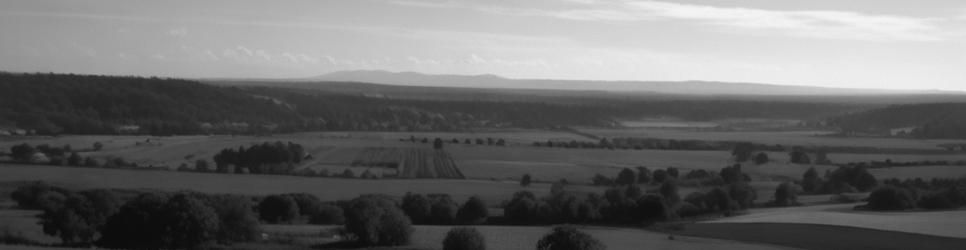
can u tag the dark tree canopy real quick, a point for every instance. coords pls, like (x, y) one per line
(376, 221)
(278, 209)
(473, 212)
(464, 238)
(569, 238)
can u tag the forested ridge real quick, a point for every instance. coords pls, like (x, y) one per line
(930, 120)
(89, 104)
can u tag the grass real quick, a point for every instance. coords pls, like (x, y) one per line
(526, 237)
(937, 223)
(325, 188)
(813, 236)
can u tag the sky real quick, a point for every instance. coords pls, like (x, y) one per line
(888, 44)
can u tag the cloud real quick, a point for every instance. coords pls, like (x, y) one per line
(800, 23)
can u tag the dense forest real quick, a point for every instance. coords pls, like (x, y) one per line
(931, 120)
(86, 104)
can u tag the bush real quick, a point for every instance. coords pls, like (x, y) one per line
(443, 209)
(525, 181)
(473, 212)
(464, 238)
(890, 198)
(569, 238)
(376, 221)
(326, 214)
(278, 209)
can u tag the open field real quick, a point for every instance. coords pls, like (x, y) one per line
(523, 237)
(925, 172)
(814, 236)
(24, 222)
(803, 138)
(325, 188)
(937, 223)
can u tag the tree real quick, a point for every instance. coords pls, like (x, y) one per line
(520, 209)
(326, 214)
(201, 165)
(569, 238)
(376, 221)
(669, 190)
(189, 223)
(742, 151)
(798, 156)
(643, 175)
(464, 238)
(438, 143)
(761, 158)
(138, 224)
(443, 209)
(890, 198)
(810, 180)
(22, 152)
(238, 222)
(659, 176)
(626, 177)
(278, 209)
(98, 146)
(525, 181)
(417, 207)
(75, 159)
(743, 194)
(473, 212)
(785, 195)
(673, 172)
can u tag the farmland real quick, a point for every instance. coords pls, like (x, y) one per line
(517, 237)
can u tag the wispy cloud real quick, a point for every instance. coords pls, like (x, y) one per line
(800, 23)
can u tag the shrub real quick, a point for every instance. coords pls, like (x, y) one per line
(376, 221)
(443, 209)
(890, 198)
(743, 194)
(464, 238)
(525, 181)
(278, 209)
(473, 212)
(569, 238)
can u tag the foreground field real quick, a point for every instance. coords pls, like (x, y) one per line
(513, 237)
(324, 188)
(937, 223)
(814, 236)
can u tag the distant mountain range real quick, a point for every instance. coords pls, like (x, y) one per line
(660, 87)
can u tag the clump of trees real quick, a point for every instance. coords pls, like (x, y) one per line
(786, 194)
(374, 220)
(917, 193)
(264, 158)
(464, 238)
(440, 209)
(149, 221)
(567, 237)
(845, 179)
